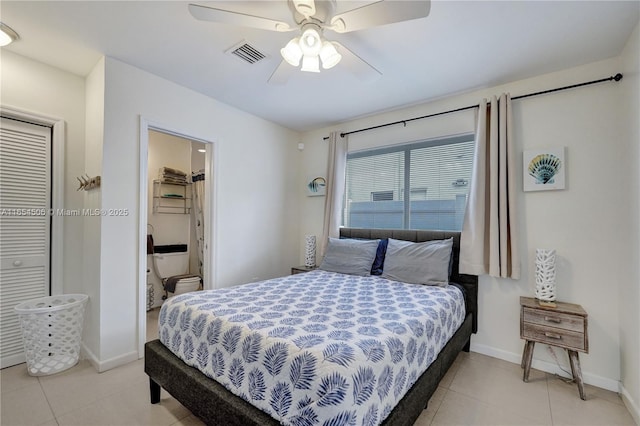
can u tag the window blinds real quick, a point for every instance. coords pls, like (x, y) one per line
(434, 174)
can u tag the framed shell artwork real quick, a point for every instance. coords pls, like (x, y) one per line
(316, 186)
(543, 169)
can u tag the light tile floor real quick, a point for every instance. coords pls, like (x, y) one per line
(477, 390)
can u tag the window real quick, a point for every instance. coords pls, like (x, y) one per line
(382, 196)
(418, 194)
(435, 174)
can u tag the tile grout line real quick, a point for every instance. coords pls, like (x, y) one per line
(447, 390)
(546, 376)
(439, 405)
(55, 419)
(92, 401)
(498, 367)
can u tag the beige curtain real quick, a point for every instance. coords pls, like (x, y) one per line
(489, 239)
(336, 170)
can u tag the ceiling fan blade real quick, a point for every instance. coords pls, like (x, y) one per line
(282, 73)
(358, 66)
(380, 13)
(204, 13)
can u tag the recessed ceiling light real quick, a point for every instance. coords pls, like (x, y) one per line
(7, 35)
(202, 150)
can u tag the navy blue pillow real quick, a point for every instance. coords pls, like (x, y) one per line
(451, 265)
(378, 262)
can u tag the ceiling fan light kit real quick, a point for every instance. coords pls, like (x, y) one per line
(292, 53)
(329, 55)
(7, 35)
(310, 63)
(312, 17)
(312, 48)
(310, 41)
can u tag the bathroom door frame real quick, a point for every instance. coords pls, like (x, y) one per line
(210, 187)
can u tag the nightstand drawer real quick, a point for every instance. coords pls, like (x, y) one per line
(554, 336)
(554, 319)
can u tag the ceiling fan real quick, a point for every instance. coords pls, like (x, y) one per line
(312, 17)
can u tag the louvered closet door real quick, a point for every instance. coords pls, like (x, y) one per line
(25, 199)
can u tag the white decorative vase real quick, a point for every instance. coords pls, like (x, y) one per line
(546, 275)
(310, 251)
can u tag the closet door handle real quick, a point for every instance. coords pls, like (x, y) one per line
(17, 263)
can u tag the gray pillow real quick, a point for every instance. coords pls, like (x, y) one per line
(353, 257)
(418, 263)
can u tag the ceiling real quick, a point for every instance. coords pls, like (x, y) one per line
(460, 46)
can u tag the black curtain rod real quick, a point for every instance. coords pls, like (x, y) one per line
(616, 77)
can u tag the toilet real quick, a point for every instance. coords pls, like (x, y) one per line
(171, 264)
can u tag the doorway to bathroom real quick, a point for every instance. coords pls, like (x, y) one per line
(175, 215)
(177, 194)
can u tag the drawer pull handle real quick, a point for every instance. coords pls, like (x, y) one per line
(553, 335)
(553, 319)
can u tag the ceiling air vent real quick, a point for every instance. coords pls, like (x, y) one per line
(246, 52)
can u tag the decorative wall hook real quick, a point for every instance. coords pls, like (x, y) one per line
(87, 183)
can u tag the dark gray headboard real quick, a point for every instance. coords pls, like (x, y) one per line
(469, 282)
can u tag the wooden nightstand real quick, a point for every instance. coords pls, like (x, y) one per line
(301, 269)
(564, 326)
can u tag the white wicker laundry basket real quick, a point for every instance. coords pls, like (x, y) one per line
(52, 332)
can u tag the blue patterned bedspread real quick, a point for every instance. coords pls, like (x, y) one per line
(314, 348)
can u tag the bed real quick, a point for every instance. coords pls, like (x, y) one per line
(215, 403)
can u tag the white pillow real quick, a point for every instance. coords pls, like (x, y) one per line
(353, 257)
(418, 263)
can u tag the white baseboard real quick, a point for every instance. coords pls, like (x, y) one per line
(548, 367)
(12, 360)
(85, 353)
(102, 366)
(632, 406)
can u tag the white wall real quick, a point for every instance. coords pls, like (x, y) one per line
(261, 179)
(38, 88)
(91, 232)
(629, 290)
(257, 211)
(582, 222)
(256, 201)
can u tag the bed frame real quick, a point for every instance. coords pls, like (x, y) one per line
(215, 405)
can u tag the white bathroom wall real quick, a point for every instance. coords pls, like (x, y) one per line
(167, 228)
(168, 151)
(197, 158)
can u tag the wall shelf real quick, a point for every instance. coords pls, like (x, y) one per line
(171, 198)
